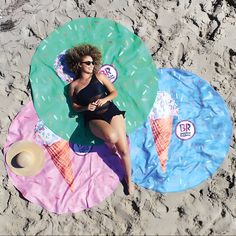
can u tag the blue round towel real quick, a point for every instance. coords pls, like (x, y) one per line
(192, 127)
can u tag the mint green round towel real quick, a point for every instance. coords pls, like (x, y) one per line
(136, 84)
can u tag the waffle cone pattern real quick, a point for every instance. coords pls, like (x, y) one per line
(60, 154)
(162, 130)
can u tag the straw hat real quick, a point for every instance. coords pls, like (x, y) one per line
(25, 158)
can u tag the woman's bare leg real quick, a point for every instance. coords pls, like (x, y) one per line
(114, 133)
(104, 131)
(118, 123)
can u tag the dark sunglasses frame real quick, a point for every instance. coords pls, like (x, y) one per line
(88, 63)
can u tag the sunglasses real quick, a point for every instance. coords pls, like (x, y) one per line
(88, 62)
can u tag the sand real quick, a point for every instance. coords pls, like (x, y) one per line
(199, 36)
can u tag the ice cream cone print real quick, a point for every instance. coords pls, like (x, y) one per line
(161, 121)
(162, 130)
(60, 154)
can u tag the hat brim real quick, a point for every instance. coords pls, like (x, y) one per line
(37, 162)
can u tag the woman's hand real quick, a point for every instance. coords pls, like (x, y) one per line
(92, 106)
(101, 102)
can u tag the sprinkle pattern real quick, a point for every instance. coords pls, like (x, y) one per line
(119, 47)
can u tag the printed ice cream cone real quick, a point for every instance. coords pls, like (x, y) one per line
(161, 130)
(60, 154)
(161, 121)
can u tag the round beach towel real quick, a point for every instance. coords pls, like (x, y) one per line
(136, 83)
(90, 175)
(186, 137)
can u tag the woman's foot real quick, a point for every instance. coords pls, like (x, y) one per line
(131, 188)
(128, 186)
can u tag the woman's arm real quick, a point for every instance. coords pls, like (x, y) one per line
(110, 87)
(76, 107)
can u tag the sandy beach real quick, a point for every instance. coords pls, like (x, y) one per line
(199, 36)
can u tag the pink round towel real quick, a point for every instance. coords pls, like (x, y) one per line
(96, 174)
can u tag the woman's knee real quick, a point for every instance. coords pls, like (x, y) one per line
(123, 151)
(111, 137)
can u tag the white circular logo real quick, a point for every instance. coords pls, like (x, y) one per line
(185, 130)
(110, 71)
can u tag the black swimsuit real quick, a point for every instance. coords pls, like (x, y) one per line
(92, 92)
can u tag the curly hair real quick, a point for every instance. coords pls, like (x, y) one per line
(75, 55)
